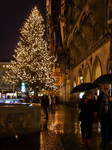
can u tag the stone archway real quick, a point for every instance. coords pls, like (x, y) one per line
(97, 69)
(87, 74)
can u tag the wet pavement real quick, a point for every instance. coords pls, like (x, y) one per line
(61, 132)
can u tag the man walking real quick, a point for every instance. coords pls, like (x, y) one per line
(45, 105)
(104, 112)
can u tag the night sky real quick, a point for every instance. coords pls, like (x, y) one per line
(13, 14)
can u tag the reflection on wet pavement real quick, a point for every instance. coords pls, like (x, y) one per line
(61, 132)
(63, 121)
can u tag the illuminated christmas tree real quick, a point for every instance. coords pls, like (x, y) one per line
(33, 64)
(11, 77)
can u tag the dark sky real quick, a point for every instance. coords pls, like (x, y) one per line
(13, 14)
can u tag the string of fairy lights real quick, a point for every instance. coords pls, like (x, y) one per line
(32, 63)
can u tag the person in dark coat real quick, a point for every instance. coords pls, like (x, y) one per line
(45, 105)
(104, 113)
(87, 105)
(36, 99)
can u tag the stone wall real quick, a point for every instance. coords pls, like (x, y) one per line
(19, 119)
(101, 56)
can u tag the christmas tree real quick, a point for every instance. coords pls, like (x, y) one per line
(32, 64)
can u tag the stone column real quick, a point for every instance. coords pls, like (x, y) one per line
(110, 30)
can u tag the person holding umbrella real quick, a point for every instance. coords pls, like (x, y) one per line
(104, 113)
(87, 105)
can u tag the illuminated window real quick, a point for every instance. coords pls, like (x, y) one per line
(80, 79)
(7, 65)
(3, 66)
(3, 77)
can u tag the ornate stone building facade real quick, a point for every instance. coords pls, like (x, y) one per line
(85, 28)
(53, 36)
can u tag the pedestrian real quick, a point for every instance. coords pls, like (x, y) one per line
(33, 99)
(50, 100)
(76, 102)
(104, 113)
(37, 99)
(87, 105)
(27, 99)
(45, 105)
(53, 101)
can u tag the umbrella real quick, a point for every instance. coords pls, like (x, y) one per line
(104, 79)
(84, 87)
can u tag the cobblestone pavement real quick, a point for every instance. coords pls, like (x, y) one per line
(62, 131)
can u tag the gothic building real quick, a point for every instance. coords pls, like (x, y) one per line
(84, 49)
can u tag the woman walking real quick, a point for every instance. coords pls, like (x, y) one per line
(87, 105)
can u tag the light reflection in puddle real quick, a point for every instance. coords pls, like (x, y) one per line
(66, 123)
